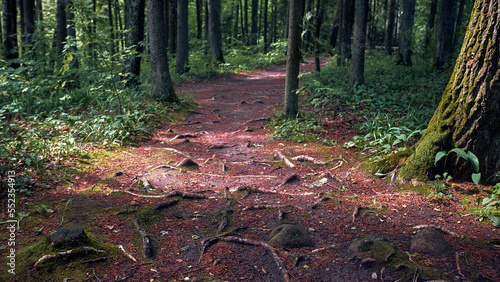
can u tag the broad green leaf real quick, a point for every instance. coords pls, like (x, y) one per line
(439, 156)
(476, 177)
(495, 220)
(473, 160)
(461, 153)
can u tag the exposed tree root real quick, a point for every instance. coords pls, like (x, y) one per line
(147, 248)
(207, 242)
(182, 136)
(175, 193)
(323, 249)
(261, 207)
(355, 213)
(177, 151)
(319, 201)
(292, 178)
(249, 189)
(67, 253)
(444, 229)
(285, 159)
(255, 120)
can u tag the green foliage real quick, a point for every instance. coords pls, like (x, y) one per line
(489, 206)
(469, 157)
(440, 188)
(303, 129)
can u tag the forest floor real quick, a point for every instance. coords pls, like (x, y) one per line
(216, 227)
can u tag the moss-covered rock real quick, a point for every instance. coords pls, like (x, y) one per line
(290, 236)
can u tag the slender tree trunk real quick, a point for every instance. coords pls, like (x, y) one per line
(345, 31)
(266, 38)
(457, 35)
(245, 18)
(215, 35)
(274, 26)
(10, 31)
(182, 37)
(119, 24)
(161, 83)
(444, 42)
(336, 25)
(389, 32)
(113, 35)
(287, 20)
(172, 26)
(242, 24)
(207, 30)
(134, 23)
(254, 26)
(70, 26)
(467, 117)
(62, 33)
(430, 22)
(293, 59)
(317, 31)
(357, 75)
(21, 20)
(199, 22)
(39, 11)
(406, 35)
(236, 18)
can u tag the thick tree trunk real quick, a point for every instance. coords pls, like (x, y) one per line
(430, 22)
(357, 75)
(61, 26)
(172, 27)
(444, 42)
(29, 20)
(254, 26)
(215, 35)
(10, 31)
(406, 35)
(161, 83)
(467, 116)
(182, 37)
(134, 23)
(293, 59)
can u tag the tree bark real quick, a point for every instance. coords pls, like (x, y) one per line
(336, 25)
(10, 31)
(245, 18)
(161, 83)
(317, 31)
(29, 20)
(457, 35)
(293, 59)
(113, 35)
(446, 27)
(345, 31)
(70, 26)
(199, 21)
(172, 27)
(215, 36)
(266, 38)
(254, 25)
(62, 33)
(236, 18)
(467, 116)
(430, 22)
(357, 74)
(406, 34)
(134, 23)
(182, 37)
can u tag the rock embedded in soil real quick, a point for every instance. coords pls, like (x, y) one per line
(290, 236)
(430, 241)
(68, 237)
(188, 163)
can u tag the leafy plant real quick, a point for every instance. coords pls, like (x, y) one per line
(440, 188)
(469, 157)
(490, 206)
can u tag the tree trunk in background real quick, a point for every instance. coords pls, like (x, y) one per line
(293, 59)
(21, 19)
(467, 116)
(357, 74)
(317, 31)
(430, 22)
(245, 19)
(134, 23)
(113, 36)
(29, 20)
(199, 22)
(10, 31)
(70, 26)
(336, 25)
(406, 34)
(161, 83)
(389, 32)
(61, 31)
(172, 27)
(254, 26)
(214, 34)
(39, 11)
(457, 35)
(236, 18)
(266, 38)
(345, 31)
(207, 37)
(444, 40)
(274, 28)
(372, 19)
(182, 37)
(119, 25)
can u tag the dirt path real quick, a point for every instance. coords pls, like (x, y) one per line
(245, 184)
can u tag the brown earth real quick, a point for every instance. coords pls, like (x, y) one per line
(243, 179)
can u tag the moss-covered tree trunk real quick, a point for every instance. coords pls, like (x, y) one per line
(467, 116)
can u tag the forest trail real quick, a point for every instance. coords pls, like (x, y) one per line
(233, 184)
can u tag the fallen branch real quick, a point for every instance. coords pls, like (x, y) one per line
(66, 253)
(147, 248)
(177, 151)
(285, 159)
(127, 253)
(444, 229)
(180, 136)
(175, 193)
(261, 207)
(207, 242)
(265, 245)
(246, 188)
(255, 120)
(305, 158)
(319, 201)
(355, 213)
(457, 259)
(323, 249)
